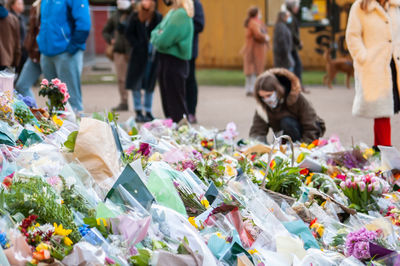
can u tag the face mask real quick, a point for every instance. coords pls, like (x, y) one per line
(272, 101)
(289, 20)
(168, 2)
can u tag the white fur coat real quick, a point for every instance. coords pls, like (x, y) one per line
(373, 39)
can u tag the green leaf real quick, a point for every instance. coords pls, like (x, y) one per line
(134, 131)
(70, 143)
(110, 116)
(142, 259)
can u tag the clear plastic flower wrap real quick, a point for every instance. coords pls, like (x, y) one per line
(176, 227)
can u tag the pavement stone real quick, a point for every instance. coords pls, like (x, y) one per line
(218, 106)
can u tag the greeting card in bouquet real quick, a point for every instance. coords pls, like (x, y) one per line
(7, 83)
(96, 149)
(131, 181)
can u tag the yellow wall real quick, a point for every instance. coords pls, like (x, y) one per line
(223, 36)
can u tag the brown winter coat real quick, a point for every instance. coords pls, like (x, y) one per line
(293, 104)
(255, 48)
(30, 43)
(10, 47)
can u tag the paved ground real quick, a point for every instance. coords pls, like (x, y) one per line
(220, 105)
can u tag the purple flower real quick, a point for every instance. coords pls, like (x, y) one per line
(110, 261)
(144, 149)
(357, 243)
(188, 164)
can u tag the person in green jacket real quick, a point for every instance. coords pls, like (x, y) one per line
(173, 39)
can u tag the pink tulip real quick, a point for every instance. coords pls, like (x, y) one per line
(370, 187)
(361, 185)
(343, 185)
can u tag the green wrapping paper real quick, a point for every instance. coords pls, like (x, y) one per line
(161, 186)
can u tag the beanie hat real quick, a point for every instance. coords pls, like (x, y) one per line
(122, 4)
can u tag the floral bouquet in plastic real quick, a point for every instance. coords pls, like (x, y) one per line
(361, 189)
(57, 93)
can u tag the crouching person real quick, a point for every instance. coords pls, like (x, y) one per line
(282, 107)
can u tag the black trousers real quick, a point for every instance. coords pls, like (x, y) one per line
(396, 97)
(291, 127)
(172, 75)
(191, 88)
(298, 66)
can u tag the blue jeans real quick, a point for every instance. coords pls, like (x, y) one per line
(28, 77)
(137, 100)
(67, 68)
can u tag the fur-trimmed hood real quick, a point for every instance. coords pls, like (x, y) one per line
(375, 5)
(286, 79)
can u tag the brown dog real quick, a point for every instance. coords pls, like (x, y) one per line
(333, 66)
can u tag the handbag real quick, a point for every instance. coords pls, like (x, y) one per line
(110, 51)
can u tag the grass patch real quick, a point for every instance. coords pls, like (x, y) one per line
(217, 77)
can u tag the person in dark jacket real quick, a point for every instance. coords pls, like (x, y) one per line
(283, 43)
(64, 28)
(10, 46)
(121, 49)
(282, 107)
(16, 7)
(31, 70)
(293, 7)
(191, 83)
(142, 68)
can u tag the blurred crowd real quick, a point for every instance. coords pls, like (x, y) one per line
(143, 45)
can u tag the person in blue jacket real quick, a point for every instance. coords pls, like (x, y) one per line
(65, 26)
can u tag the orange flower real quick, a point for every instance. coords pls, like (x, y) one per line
(272, 165)
(44, 254)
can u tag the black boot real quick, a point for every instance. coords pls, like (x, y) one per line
(139, 117)
(149, 117)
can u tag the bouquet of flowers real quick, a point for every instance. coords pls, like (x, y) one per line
(361, 189)
(57, 93)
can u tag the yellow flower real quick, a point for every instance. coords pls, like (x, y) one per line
(308, 179)
(303, 145)
(368, 153)
(62, 201)
(155, 157)
(59, 230)
(229, 171)
(104, 222)
(220, 235)
(38, 128)
(311, 146)
(57, 121)
(205, 203)
(252, 251)
(262, 173)
(300, 158)
(42, 246)
(67, 241)
(321, 231)
(323, 204)
(193, 222)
